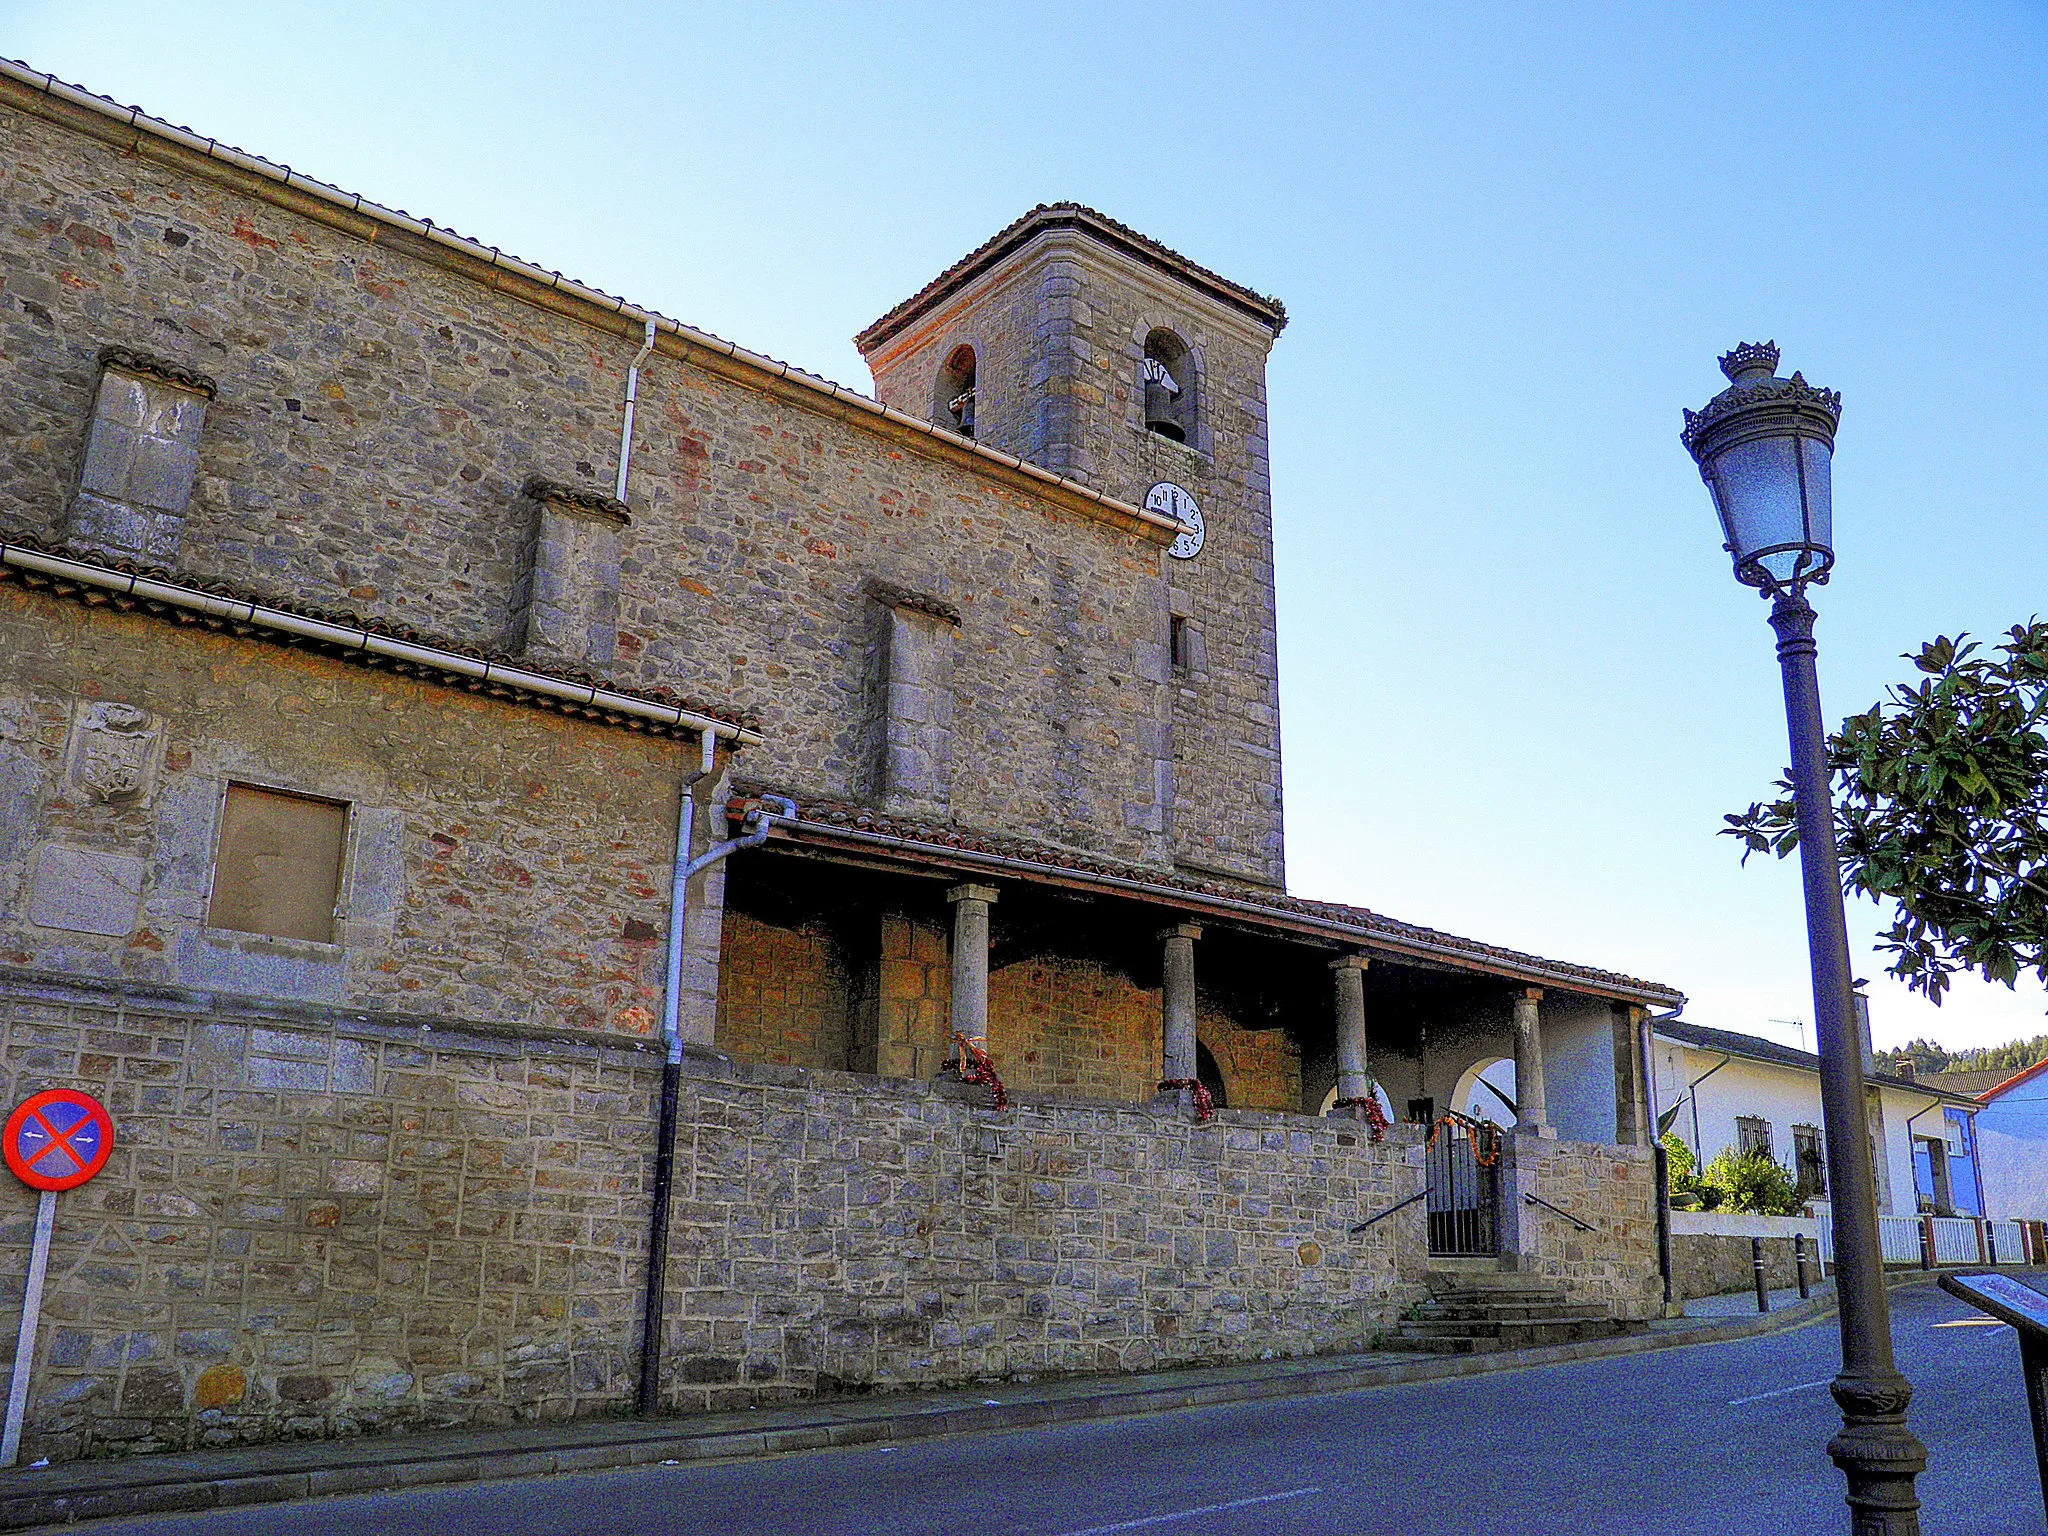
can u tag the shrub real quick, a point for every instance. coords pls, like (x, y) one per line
(1752, 1182)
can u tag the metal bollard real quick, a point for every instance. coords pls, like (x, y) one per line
(1990, 1245)
(1756, 1259)
(1799, 1263)
(1926, 1244)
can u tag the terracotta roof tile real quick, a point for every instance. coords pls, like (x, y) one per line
(1268, 311)
(1358, 924)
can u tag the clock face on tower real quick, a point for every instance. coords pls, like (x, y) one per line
(1176, 503)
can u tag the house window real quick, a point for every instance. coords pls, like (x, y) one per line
(277, 870)
(956, 391)
(1811, 1162)
(1421, 1111)
(1167, 373)
(1177, 642)
(1954, 1127)
(1752, 1135)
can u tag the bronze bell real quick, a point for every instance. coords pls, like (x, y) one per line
(1160, 393)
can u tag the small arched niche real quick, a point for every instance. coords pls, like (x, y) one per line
(953, 404)
(1167, 376)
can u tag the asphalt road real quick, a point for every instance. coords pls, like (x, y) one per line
(1715, 1440)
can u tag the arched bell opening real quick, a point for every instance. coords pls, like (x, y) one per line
(955, 393)
(1167, 373)
(1209, 1075)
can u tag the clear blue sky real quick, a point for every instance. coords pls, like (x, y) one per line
(1520, 687)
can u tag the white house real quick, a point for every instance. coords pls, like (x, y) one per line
(1733, 1090)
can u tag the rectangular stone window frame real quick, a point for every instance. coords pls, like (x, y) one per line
(345, 862)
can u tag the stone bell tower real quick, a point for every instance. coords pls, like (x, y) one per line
(1094, 352)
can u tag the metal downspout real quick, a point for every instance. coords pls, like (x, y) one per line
(626, 431)
(758, 821)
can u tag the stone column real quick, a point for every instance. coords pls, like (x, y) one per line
(1534, 1119)
(1352, 1079)
(1632, 1126)
(1177, 1001)
(970, 960)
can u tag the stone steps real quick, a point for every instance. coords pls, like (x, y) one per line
(1475, 1311)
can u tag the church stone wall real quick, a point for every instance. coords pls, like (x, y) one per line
(320, 1222)
(379, 415)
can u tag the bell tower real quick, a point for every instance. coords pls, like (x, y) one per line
(1099, 354)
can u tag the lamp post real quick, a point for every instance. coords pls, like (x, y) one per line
(1764, 446)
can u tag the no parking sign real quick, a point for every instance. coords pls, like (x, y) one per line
(55, 1140)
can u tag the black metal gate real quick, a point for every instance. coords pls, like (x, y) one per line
(1464, 1159)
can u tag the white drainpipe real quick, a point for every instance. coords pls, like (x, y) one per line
(632, 396)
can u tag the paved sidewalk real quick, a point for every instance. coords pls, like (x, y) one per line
(219, 1479)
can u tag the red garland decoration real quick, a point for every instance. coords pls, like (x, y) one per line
(973, 1065)
(1471, 1129)
(1205, 1106)
(1375, 1117)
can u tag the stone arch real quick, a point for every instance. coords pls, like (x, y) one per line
(1171, 388)
(1473, 1095)
(1379, 1092)
(955, 388)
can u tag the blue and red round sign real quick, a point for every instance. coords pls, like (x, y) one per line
(57, 1139)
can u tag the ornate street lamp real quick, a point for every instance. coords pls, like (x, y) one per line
(1763, 446)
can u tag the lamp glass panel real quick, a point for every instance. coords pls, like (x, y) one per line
(1758, 482)
(1820, 493)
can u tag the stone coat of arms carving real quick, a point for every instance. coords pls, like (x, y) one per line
(114, 753)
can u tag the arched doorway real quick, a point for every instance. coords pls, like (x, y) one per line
(1486, 1091)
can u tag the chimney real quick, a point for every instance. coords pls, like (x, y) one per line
(1904, 1069)
(1863, 1033)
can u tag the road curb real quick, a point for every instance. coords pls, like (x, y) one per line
(184, 1481)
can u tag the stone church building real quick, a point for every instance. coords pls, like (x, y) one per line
(382, 619)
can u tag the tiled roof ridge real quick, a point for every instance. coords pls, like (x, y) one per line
(1049, 215)
(827, 814)
(346, 618)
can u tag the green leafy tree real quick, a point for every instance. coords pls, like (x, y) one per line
(1941, 805)
(1753, 1182)
(2013, 1057)
(1925, 1055)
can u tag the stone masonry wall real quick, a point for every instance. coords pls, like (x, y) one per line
(319, 1222)
(1613, 1190)
(379, 415)
(1060, 332)
(502, 864)
(783, 996)
(1710, 1264)
(1057, 1028)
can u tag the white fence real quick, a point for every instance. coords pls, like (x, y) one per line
(1899, 1239)
(2008, 1241)
(1955, 1240)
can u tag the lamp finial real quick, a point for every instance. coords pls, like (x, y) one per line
(1750, 360)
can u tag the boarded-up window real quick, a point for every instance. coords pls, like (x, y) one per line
(278, 870)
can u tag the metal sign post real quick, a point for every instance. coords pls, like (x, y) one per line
(54, 1140)
(2013, 1301)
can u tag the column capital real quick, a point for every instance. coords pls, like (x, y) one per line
(972, 893)
(1350, 962)
(1182, 931)
(1532, 994)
